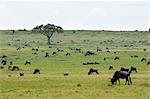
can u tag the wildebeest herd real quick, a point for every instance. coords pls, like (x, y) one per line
(123, 73)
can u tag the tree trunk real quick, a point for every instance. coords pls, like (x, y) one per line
(49, 41)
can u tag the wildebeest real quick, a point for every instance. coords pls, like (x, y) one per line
(92, 70)
(121, 74)
(144, 49)
(89, 53)
(11, 63)
(68, 54)
(143, 59)
(98, 49)
(110, 67)
(104, 59)
(36, 71)
(133, 69)
(116, 58)
(1, 67)
(4, 62)
(90, 63)
(27, 62)
(15, 68)
(9, 67)
(148, 62)
(66, 74)
(47, 55)
(54, 53)
(21, 74)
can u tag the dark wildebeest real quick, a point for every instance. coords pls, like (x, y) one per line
(21, 74)
(9, 67)
(11, 63)
(1, 67)
(68, 54)
(66, 74)
(116, 58)
(54, 53)
(144, 49)
(27, 62)
(133, 69)
(148, 62)
(98, 49)
(90, 63)
(47, 55)
(143, 59)
(89, 53)
(121, 74)
(4, 62)
(36, 71)
(104, 59)
(110, 67)
(92, 70)
(15, 68)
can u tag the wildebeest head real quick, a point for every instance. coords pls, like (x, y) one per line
(113, 80)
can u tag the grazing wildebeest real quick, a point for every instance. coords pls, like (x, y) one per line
(135, 56)
(54, 53)
(108, 51)
(116, 58)
(144, 49)
(11, 63)
(143, 59)
(121, 74)
(98, 49)
(110, 67)
(21, 74)
(68, 54)
(15, 68)
(90, 63)
(47, 55)
(148, 62)
(133, 69)
(104, 59)
(4, 62)
(27, 62)
(115, 52)
(9, 67)
(36, 71)
(89, 53)
(1, 67)
(66, 74)
(92, 70)
(124, 69)
(18, 48)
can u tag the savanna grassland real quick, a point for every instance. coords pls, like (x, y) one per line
(52, 84)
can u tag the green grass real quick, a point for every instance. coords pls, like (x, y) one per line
(51, 84)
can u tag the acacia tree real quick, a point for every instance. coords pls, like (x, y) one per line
(48, 31)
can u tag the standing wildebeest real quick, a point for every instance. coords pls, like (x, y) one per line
(148, 62)
(143, 59)
(89, 53)
(110, 67)
(47, 55)
(15, 68)
(21, 74)
(121, 74)
(92, 70)
(27, 62)
(116, 58)
(133, 69)
(36, 71)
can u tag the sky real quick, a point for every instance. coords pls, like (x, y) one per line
(80, 14)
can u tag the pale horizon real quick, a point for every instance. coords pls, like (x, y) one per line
(76, 15)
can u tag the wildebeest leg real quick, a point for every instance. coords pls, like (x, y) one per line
(118, 81)
(97, 72)
(127, 80)
(130, 80)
